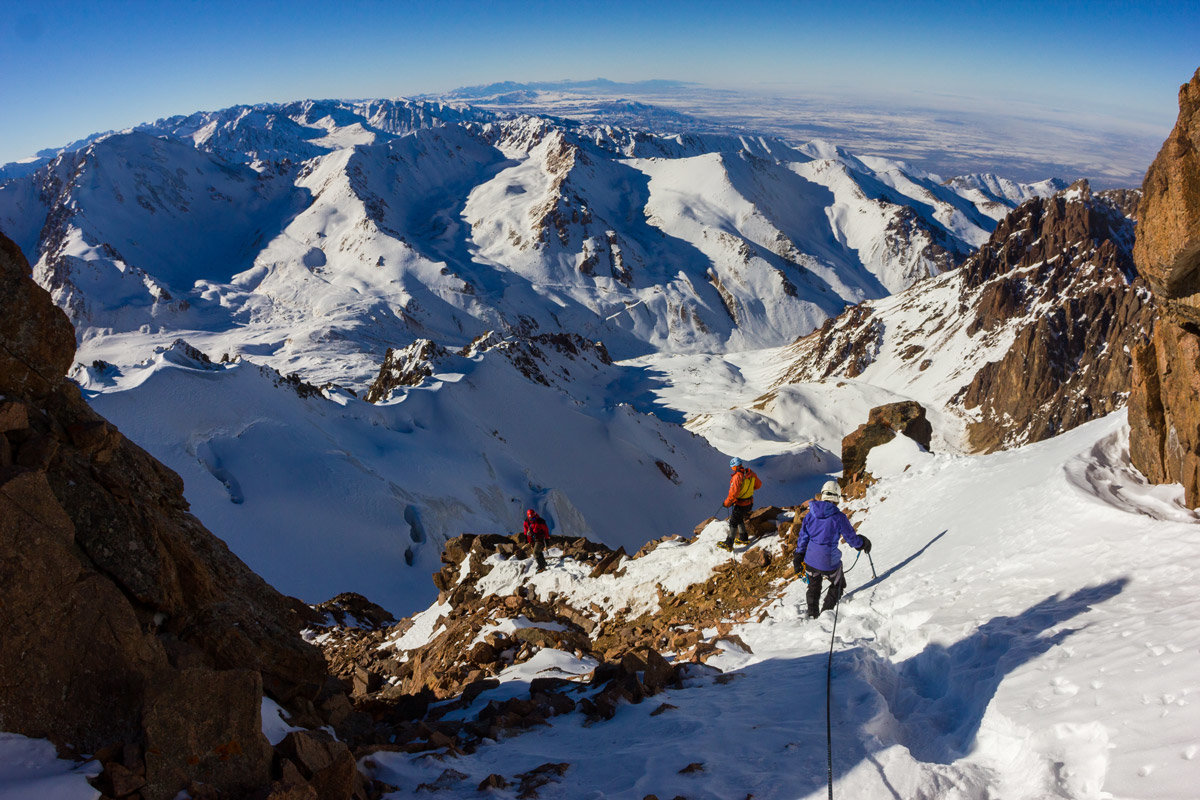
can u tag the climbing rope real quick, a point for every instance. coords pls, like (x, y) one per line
(829, 678)
(829, 699)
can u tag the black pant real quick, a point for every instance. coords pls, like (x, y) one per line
(837, 585)
(737, 522)
(539, 544)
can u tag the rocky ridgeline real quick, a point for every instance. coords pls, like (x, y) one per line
(529, 352)
(1164, 414)
(407, 693)
(1064, 267)
(131, 633)
(1055, 286)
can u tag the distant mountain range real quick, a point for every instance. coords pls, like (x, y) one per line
(444, 221)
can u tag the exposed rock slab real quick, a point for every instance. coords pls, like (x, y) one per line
(1168, 239)
(1164, 412)
(127, 623)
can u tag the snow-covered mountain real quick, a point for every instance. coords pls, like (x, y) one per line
(204, 258)
(377, 223)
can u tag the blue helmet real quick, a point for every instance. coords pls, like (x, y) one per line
(735, 462)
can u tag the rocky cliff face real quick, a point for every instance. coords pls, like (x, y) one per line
(1066, 267)
(1164, 413)
(130, 630)
(1029, 338)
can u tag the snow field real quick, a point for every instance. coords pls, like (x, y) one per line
(327, 494)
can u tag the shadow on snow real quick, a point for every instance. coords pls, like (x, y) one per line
(763, 733)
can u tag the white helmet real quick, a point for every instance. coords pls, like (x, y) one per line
(831, 492)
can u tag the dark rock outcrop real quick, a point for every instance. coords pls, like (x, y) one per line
(127, 624)
(1063, 266)
(408, 366)
(883, 424)
(537, 356)
(1164, 413)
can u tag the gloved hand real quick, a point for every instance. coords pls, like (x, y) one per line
(726, 504)
(866, 548)
(798, 563)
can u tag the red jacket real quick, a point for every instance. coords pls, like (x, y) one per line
(742, 485)
(536, 527)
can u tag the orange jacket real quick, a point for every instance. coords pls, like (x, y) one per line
(742, 485)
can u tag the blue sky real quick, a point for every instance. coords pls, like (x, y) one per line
(71, 69)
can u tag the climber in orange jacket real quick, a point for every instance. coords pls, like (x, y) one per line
(742, 485)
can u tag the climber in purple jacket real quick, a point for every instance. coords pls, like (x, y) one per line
(817, 552)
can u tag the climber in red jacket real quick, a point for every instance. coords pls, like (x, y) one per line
(537, 534)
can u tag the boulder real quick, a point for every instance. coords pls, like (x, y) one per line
(609, 563)
(327, 764)
(762, 521)
(204, 725)
(883, 423)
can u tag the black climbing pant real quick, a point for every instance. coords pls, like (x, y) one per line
(837, 585)
(737, 524)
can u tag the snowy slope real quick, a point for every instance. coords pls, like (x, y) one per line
(1029, 337)
(982, 662)
(310, 238)
(321, 493)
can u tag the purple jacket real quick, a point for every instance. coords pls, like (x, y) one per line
(819, 533)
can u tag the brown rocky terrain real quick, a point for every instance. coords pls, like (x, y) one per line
(410, 680)
(1040, 323)
(1164, 413)
(638, 652)
(131, 632)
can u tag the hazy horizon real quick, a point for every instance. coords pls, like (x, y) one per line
(70, 70)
